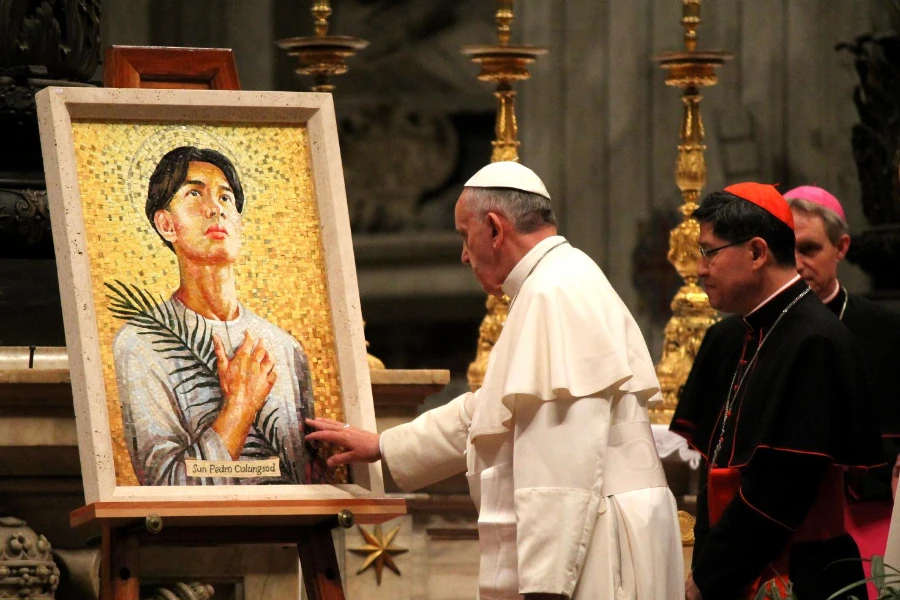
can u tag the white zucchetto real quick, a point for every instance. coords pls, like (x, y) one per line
(508, 174)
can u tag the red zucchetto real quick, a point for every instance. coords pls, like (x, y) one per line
(766, 197)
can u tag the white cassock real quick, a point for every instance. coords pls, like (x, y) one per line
(557, 445)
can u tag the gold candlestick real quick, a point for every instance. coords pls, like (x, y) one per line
(501, 64)
(322, 56)
(692, 315)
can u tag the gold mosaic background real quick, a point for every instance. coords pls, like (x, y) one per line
(281, 272)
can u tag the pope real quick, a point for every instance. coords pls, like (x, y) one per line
(556, 444)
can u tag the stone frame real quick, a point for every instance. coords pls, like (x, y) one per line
(57, 108)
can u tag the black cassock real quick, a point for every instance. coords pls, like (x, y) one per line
(803, 407)
(877, 332)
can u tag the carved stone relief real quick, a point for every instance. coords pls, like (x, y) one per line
(392, 158)
(25, 223)
(27, 569)
(62, 36)
(876, 150)
(41, 44)
(414, 51)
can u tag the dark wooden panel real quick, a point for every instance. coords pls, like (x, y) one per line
(158, 67)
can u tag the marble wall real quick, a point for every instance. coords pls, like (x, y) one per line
(598, 122)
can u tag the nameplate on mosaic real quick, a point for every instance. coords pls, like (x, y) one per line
(232, 468)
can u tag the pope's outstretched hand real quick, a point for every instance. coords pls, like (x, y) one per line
(358, 445)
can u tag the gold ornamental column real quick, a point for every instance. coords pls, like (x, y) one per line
(322, 56)
(692, 315)
(501, 64)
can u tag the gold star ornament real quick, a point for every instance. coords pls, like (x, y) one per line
(379, 551)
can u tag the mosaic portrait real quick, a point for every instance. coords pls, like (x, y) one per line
(211, 301)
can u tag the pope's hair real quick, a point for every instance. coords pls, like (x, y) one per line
(528, 212)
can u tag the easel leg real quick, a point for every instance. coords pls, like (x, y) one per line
(318, 560)
(119, 575)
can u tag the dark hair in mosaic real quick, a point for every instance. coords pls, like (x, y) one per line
(171, 172)
(734, 219)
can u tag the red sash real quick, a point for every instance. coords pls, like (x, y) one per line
(824, 521)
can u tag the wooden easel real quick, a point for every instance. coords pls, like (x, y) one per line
(127, 526)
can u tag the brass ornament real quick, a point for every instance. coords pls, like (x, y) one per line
(379, 551)
(321, 10)
(346, 518)
(504, 19)
(501, 64)
(153, 523)
(692, 315)
(322, 56)
(686, 525)
(488, 334)
(374, 362)
(506, 132)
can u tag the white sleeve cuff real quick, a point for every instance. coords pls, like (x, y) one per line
(430, 448)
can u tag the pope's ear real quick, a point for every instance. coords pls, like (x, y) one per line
(165, 225)
(496, 225)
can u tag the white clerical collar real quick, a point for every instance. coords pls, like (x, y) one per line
(520, 272)
(781, 289)
(833, 295)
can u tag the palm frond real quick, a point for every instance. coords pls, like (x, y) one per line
(172, 337)
(266, 428)
(885, 578)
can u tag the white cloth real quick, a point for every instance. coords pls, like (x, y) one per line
(557, 445)
(892, 552)
(673, 448)
(163, 427)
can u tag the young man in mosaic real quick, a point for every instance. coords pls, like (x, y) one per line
(211, 393)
